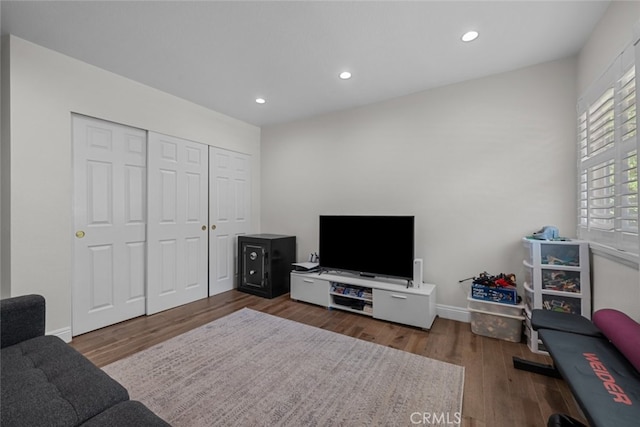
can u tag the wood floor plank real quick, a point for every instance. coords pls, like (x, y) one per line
(473, 401)
(495, 393)
(472, 422)
(526, 411)
(494, 373)
(439, 340)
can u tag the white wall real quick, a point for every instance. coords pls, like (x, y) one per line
(480, 164)
(5, 291)
(608, 39)
(615, 285)
(2, 145)
(45, 88)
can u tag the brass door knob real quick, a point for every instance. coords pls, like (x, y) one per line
(204, 227)
(213, 227)
(79, 234)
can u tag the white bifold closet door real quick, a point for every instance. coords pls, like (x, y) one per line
(177, 231)
(109, 214)
(229, 213)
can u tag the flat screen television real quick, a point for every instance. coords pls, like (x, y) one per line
(367, 245)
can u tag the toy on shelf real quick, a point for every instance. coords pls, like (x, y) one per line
(500, 288)
(548, 232)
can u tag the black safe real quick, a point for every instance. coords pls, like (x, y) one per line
(264, 264)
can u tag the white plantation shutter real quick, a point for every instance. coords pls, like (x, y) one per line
(629, 193)
(602, 196)
(607, 158)
(628, 177)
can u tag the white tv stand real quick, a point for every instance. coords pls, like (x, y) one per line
(385, 299)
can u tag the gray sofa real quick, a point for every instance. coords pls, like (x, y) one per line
(46, 382)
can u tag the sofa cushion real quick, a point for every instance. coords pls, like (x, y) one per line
(47, 382)
(21, 318)
(127, 414)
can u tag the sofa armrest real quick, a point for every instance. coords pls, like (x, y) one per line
(21, 318)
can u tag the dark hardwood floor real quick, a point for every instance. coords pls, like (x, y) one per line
(495, 394)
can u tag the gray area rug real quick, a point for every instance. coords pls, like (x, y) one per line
(255, 369)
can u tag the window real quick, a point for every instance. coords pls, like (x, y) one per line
(608, 158)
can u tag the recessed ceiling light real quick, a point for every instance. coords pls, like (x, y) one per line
(469, 36)
(260, 100)
(345, 75)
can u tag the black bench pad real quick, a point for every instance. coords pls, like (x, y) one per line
(560, 321)
(604, 383)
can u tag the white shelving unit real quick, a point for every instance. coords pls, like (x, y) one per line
(379, 298)
(556, 277)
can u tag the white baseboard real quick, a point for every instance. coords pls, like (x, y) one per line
(453, 313)
(64, 334)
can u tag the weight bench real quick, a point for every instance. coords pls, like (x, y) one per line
(600, 362)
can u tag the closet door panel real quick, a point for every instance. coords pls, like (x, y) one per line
(109, 216)
(229, 209)
(178, 218)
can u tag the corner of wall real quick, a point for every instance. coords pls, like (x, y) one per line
(608, 39)
(5, 169)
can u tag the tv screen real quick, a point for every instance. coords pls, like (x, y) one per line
(368, 245)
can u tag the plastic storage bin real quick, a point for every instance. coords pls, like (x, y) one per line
(561, 280)
(567, 254)
(561, 303)
(564, 253)
(495, 307)
(493, 325)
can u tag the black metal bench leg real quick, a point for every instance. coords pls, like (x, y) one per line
(535, 367)
(563, 420)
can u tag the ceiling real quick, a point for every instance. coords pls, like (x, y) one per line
(225, 54)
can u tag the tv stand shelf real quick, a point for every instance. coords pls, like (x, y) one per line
(385, 299)
(351, 298)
